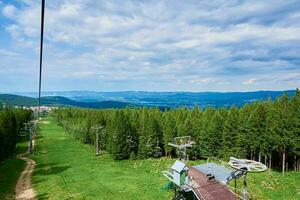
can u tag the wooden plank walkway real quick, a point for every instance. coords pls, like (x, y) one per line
(208, 190)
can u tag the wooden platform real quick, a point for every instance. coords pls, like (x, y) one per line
(208, 190)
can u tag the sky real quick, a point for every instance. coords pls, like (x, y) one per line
(154, 45)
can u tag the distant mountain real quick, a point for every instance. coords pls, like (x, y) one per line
(18, 100)
(170, 99)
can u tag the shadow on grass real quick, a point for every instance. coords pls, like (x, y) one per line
(43, 196)
(21, 149)
(49, 169)
(38, 181)
(39, 136)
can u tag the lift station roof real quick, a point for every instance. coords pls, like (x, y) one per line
(178, 166)
(221, 173)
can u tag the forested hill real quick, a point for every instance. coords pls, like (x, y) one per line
(17, 100)
(170, 99)
(266, 131)
(89, 99)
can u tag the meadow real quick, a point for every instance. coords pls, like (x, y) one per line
(68, 169)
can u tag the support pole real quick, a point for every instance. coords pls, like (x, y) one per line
(283, 161)
(97, 143)
(30, 141)
(245, 194)
(29, 126)
(235, 185)
(96, 129)
(174, 193)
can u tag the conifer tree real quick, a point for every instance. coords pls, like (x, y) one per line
(296, 129)
(257, 127)
(169, 133)
(215, 132)
(284, 131)
(204, 134)
(121, 136)
(230, 134)
(150, 144)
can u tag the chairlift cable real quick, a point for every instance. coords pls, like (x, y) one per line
(41, 55)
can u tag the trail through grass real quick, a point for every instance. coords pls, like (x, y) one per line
(10, 170)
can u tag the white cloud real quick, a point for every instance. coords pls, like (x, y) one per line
(290, 77)
(14, 30)
(9, 11)
(5, 52)
(202, 81)
(218, 42)
(250, 81)
(82, 74)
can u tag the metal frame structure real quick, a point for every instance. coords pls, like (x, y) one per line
(210, 181)
(32, 128)
(96, 130)
(182, 143)
(246, 166)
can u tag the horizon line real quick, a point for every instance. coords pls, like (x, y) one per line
(150, 91)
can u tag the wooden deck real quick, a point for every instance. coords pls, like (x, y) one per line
(208, 190)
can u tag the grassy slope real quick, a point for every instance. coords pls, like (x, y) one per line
(272, 185)
(10, 170)
(69, 169)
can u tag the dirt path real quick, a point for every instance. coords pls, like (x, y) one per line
(24, 189)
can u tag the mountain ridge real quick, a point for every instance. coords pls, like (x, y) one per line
(162, 99)
(18, 100)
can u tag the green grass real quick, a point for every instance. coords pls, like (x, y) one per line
(10, 170)
(67, 169)
(272, 185)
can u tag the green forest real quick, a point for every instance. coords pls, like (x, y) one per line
(266, 131)
(11, 122)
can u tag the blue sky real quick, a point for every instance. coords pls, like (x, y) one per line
(119, 45)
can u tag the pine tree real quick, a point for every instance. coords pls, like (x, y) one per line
(243, 144)
(215, 132)
(121, 136)
(296, 129)
(150, 144)
(257, 129)
(284, 131)
(169, 133)
(204, 134)
(230, 134)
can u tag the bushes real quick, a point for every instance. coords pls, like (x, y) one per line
(10, 123)
(260, 131)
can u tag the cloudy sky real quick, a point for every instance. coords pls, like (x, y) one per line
(117, 45)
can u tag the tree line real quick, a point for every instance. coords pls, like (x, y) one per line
(11, 122)
(266, 131)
